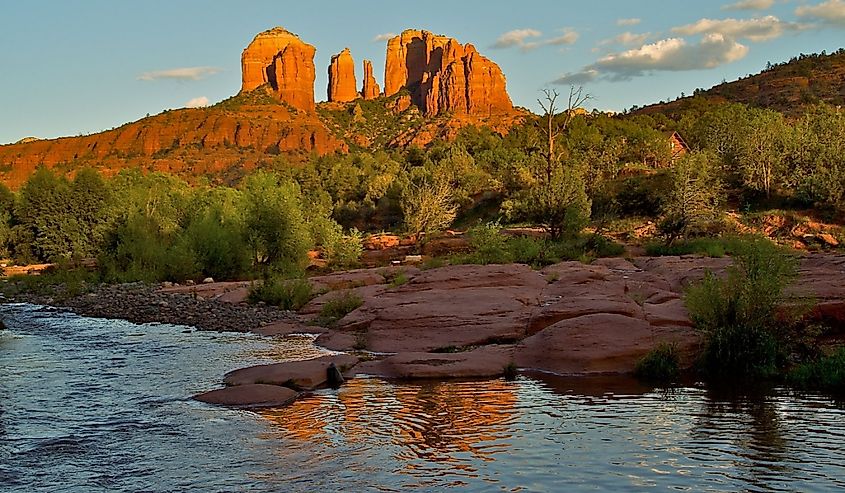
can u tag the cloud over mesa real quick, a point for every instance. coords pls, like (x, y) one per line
(831, 12)
(757, 30)
(184, 73)
(526, 39)
(668, 55)
(199, 102)
(750, 5)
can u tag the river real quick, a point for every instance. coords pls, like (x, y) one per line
(102, 405)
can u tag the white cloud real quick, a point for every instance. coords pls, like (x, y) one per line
(569, 37)
(831, 11)
(517, 38)
(628, 22)
(199, 102)
(577, 78)
(628, 39)
(668, 55)
(184, 73)
(750, 5)
(758, 29)
(383, 37)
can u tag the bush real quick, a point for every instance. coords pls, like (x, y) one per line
(488, 246)
(826, 373)
(661, 364)
(708, 247)
(337, 308)
(742, 315)
(288, 294)
(428, 208)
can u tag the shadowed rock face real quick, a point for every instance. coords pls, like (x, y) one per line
(444, 76)
(342, 83)
(279, 58)
(371, 89)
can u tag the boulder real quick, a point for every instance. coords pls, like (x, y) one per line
(451, 307)
(342, 83)
(602, 343)
(250, 396)
(299, 375)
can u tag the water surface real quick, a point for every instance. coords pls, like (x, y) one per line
(96, 405)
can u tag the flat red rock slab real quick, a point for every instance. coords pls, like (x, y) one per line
(598, 344)
(301, 375)
(484, 362)
(249, 396)
(287, 327)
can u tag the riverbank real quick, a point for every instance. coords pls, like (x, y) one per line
(148, 303)
(462, 321)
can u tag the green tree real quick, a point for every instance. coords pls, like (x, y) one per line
(275, 226)
(556, 198)
(695, 196)
(428, 207)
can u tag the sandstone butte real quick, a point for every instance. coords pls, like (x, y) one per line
(279, 58)
(342, 83)
(444, 76)
(370, 89)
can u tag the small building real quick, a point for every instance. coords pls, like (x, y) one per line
(677, 145)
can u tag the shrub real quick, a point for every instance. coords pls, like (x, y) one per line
(429, 207)
(694, 199)
(488, 246)
(288, 294)
(337, 308)
(661, 364)
(741, 315)
(708, 247)
(826, 373)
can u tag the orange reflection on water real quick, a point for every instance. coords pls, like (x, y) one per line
(431, 420)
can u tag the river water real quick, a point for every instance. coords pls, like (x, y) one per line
(96, 405)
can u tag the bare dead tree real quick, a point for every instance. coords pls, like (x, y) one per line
(554, 127)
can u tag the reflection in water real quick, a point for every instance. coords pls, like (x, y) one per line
(431, 424)
(95, 405)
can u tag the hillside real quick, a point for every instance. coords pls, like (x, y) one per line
(439, 87)
(786, 87)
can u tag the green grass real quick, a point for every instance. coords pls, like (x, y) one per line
(337, 308)
(661, 364)
(826, 374)
(288, 294)
(708, 247)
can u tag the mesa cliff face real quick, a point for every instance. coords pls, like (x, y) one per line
(275, 112)
(279, 58)
(371, 89)
(444, 76)
(342, 84)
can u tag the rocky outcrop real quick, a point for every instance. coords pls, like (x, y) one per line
(279, 58)
(184, 142)
(444, 76)
(342, 83)
(370, 89)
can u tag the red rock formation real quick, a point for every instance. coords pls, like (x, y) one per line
(370, 90)
(279, 58)
(203, 140)
(342, 83)
(444, 76)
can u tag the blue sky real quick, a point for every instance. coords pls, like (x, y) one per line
(75, 67)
